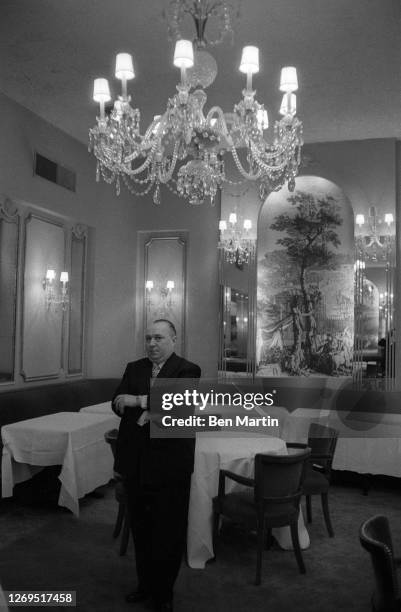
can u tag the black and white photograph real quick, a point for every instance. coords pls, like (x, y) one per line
(200, 329)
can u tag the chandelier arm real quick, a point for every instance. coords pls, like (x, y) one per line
(223, 124)
(167, 176)
(241, 169)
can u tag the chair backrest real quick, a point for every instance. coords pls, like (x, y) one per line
(375, 537)
(111, 438)
(322, 440)
(279, 476)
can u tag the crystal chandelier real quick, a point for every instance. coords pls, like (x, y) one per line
(236, 241)
(184, 148)
(374, 238)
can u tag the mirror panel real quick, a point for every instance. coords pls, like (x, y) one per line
(42, 323)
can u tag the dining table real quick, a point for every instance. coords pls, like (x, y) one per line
(74, 440)
(223, 450)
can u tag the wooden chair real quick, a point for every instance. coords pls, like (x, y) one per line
(123, 519)
(322, 441)
(375, 537)
(273, 502)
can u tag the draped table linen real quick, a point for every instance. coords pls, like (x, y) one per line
(74, 440)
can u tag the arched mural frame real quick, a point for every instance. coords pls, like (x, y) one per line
(304, 322)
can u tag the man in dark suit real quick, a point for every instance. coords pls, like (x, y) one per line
(157, 472)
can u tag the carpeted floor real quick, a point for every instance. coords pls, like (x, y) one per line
(45, 547)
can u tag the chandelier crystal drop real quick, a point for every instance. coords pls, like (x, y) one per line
(184, 148)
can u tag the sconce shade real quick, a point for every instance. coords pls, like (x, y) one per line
(388, 218)
(222, 225)
(233, 218)
(249, 60)
(183, 54)
(289, 79)
(124, 66)
(360, 219)
(101, 90)
(247, 224)
(64, 277)
(50, 275)
(149, 285)
(170, 285)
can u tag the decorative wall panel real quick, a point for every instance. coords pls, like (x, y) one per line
(77, 300)
(305, 282)
(42, 326)
(165, 260)
(9, 237)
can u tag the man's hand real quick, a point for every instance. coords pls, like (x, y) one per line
(124, 400)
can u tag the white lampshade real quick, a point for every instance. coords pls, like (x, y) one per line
(64, 277)
(50, 275)
(222, 225)
(289, 80)
(249, 60)
(183, 54)
(124, 66)
(170, 285)
(101, 91)
(360, 219)
(149, 285)
(288, 104)
(388, 218)
(262, 119)
(233, 218)
(247, 224)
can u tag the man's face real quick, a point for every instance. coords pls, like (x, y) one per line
(159, 342)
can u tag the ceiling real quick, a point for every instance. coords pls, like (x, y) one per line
(347, 53)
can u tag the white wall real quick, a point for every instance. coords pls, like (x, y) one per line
(112, 264)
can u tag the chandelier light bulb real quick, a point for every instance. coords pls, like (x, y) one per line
(101, 90)
(360, 220)
(183, 54)
(222, 225)
(388, 218)
(233, 218)
(124, 66)
(249, 60)
(289, 79)
(288, 105)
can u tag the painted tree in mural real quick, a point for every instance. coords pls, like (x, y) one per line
(309, 233)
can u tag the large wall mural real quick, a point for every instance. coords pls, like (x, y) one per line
(305, 282)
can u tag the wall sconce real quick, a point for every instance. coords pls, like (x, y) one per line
(235, 240)
(56, 295)
(164, 293)
(374, 237)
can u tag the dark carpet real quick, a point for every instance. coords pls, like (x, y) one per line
(44, 547)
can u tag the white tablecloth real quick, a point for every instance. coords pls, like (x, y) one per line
(213, 452)
(104, 408)
(368, 442)
(74, 440)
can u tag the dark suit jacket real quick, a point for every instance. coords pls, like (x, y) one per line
(152, 462)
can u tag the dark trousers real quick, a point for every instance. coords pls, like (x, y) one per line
(159, 527)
